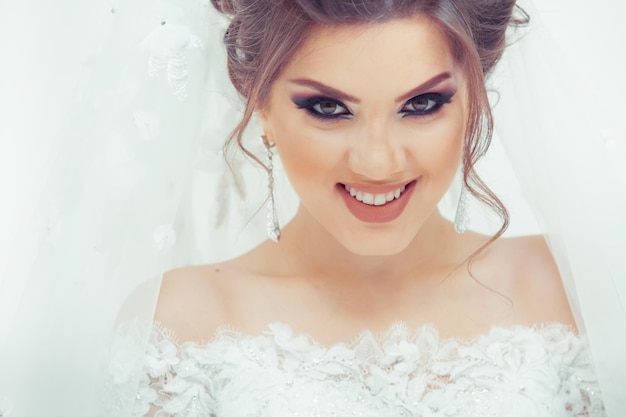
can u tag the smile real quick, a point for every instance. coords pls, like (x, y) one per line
(377, 204)
(375, 199)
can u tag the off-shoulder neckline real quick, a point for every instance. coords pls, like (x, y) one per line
(549, 331)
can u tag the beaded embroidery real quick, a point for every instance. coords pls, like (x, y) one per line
(513, 372)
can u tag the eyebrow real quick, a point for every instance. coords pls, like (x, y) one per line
(340, 95)
(423, 88)
(325, 89)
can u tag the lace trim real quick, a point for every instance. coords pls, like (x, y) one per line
(515, 371)
(231, 332)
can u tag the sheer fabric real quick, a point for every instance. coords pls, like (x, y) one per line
(108, 216)
(136, 184)
(569, 158)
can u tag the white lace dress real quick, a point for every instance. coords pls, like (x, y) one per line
(508, 372)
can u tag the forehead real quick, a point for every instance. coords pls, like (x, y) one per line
(399, 51)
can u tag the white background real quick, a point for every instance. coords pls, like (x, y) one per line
(40, 55)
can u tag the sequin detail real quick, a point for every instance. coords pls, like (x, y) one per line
(510, 372)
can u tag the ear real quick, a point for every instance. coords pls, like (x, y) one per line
(266, 124)
(261, 114)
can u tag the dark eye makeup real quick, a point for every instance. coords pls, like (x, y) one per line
(325, 108)
(329, 109)
(426, 104)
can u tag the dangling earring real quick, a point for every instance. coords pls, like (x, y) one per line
(273, 228)
(462, 218)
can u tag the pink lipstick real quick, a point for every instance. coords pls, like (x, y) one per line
(376, 204)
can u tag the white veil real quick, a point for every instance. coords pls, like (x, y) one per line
(562, 123)
(110, 210)
(134, 174)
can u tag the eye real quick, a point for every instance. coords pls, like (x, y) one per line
(323, 107)
(328, 108)
(425, 104)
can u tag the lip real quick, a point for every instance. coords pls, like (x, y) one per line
(377, 214)
(377, 189)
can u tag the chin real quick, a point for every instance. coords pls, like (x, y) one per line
(375, 246)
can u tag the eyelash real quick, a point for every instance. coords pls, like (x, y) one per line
(309, 105)
(438, 100)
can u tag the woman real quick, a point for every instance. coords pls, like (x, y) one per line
(372, 107)
(486, 327)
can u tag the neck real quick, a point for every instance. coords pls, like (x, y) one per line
(322, 257)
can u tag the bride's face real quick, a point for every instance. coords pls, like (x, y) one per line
(369, 124)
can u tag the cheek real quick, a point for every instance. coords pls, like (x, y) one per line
(451, 147)
(438, 151)
(297, 165)
(304, 152)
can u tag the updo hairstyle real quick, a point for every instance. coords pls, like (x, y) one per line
(263, 35)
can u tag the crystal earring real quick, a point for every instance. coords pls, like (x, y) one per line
(273, 228)
(462, 218)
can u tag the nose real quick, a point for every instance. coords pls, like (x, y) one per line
(375, 153)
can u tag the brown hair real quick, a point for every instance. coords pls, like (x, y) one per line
(263, 35)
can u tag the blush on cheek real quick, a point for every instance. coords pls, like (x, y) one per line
(302, 159)
(442, 147)
(305, 149)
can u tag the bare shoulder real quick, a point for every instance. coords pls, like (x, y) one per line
(532, 258)
(195, 301)
(532, 280)
(192, 301)
(530, 255)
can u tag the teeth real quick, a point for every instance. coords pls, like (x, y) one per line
(374, 199)
(380, 199)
